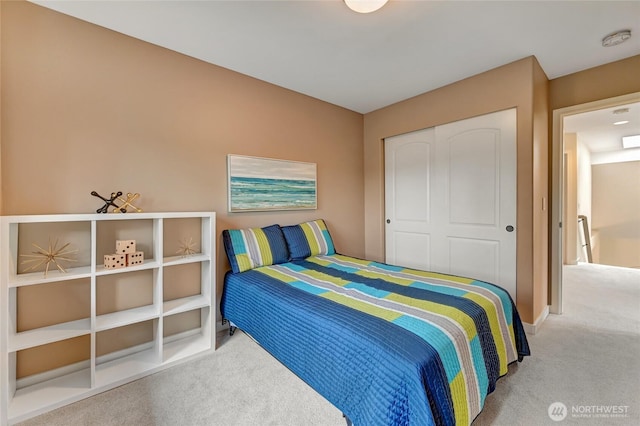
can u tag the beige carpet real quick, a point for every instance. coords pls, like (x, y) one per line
(588, 359)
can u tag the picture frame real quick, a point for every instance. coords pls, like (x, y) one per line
(267, 184)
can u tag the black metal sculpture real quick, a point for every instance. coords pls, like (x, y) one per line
(108, 202)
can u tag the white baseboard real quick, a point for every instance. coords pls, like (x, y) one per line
(535, 327)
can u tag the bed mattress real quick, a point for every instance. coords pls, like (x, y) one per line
(386, 345)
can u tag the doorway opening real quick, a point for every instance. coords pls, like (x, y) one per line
(568, 240)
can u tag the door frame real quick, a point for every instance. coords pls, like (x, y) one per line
(557, 183)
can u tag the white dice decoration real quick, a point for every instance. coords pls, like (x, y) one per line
(135, 258)
(113, 261)
(125, 246)
(125, 255)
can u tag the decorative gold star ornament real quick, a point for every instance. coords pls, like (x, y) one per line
(46, 257)
(187, 247)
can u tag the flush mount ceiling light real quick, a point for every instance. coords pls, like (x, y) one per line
(620, 111)
(365, 6)
(631, 141)
(616, 38)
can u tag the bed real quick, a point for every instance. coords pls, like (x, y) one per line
(384, 344)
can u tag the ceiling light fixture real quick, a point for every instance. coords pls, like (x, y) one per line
(365, 6)
(631, 141)
(616, 38)
(618, 123)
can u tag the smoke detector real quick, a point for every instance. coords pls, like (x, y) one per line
(616, 38)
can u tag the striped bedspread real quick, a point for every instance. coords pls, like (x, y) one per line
(386, 345)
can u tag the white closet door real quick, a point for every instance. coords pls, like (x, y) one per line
(408, 176)
(470, 187)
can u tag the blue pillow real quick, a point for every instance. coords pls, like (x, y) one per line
(308, 239)
(254, 247)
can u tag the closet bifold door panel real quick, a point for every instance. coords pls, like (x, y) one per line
(450, 199)
(92, 301)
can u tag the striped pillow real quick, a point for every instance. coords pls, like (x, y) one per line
(254, 247)
(308, 239)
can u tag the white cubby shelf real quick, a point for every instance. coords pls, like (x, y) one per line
(97, 314)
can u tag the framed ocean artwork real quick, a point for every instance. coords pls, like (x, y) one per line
(262, 184)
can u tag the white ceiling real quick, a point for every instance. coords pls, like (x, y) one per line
(364, 62)
(596, 130)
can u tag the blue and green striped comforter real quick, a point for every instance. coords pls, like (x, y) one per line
(386, 345)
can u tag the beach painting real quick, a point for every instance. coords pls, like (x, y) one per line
(262, 184)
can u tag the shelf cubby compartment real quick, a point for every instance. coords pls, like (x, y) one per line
(46, 313)
(126, 298)
(183, 287)
(142, 231)
(50, 394)
(183, 238)
(127, 352)
(27, 238)
(51, 386)
(189, 334)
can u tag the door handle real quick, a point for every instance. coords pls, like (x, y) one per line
(388, 220)
(509, 228)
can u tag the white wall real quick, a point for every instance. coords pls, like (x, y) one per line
(616, 212)
(621, 156)
(583, 196)
(604, 187)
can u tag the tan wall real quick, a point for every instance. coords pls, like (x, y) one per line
(583, 200)
(540, 202)
(85, 108)
(521, 84)
(594, 84)
(616, 212)
(90, 109)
